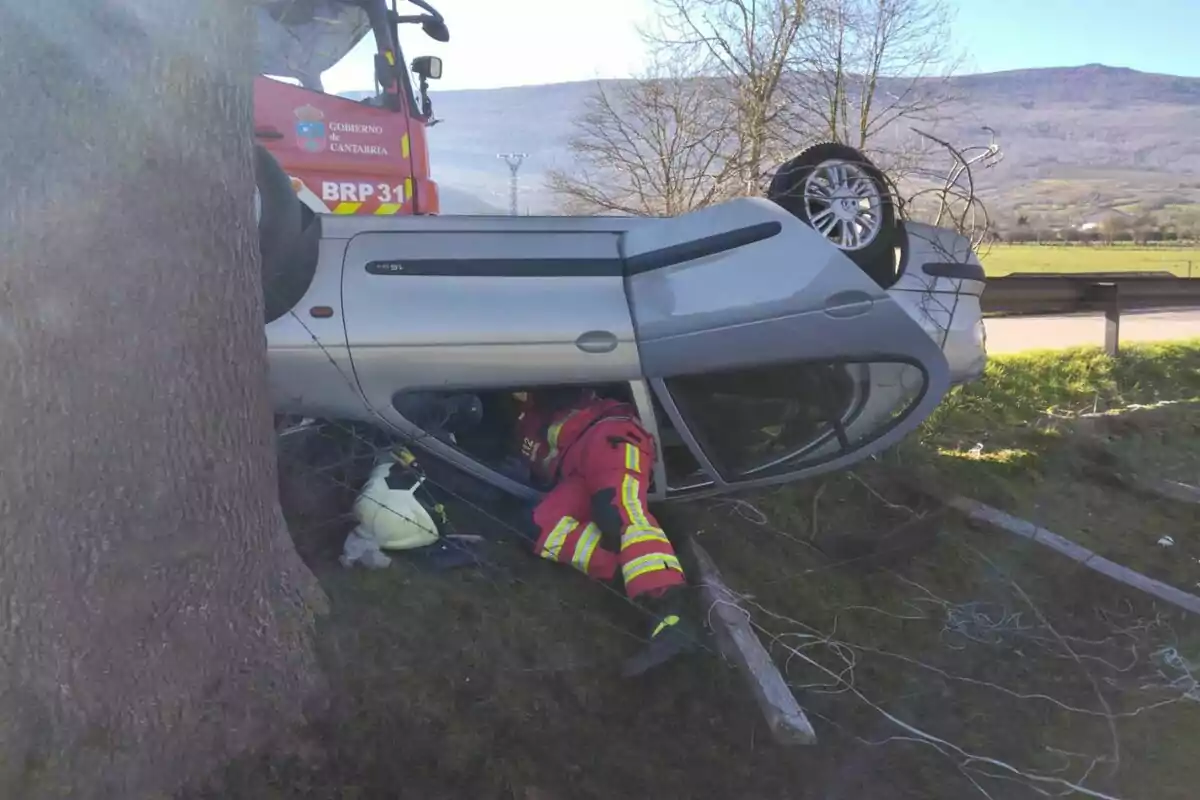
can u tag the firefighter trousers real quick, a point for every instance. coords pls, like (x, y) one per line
(595, 518)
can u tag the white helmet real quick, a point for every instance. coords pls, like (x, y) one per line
(390, 510)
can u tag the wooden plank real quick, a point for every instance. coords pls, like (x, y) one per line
(1015, 525)
(731, 624)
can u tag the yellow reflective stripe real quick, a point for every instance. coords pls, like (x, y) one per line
(634, 536)
(386, 209)
(633, 458)
(653, 562)
(631, 500)
(554, 542)
(391, 58)
(585, 547)
(667, 622)
(408, 189)
(404, 146)
(552, 435)
(346, 208)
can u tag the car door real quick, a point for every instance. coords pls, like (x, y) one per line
(773, 357)
(472, 303)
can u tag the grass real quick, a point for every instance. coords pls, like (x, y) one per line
(1004, 259)
(1011, 440)
(501, 682)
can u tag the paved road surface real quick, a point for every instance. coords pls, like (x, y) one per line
(1009, 335)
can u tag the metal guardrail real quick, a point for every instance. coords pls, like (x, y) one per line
(1107, 292)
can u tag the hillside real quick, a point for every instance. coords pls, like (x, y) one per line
(1077, 140)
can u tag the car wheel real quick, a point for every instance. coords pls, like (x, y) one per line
(288, 237)
(279, 214)
(837, 191)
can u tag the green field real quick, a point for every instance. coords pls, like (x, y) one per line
(1001, 259)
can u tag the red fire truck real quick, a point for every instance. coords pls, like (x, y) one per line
(363, 156)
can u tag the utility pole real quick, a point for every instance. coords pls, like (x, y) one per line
(514, 163)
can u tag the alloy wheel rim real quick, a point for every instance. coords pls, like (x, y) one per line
(844, 204)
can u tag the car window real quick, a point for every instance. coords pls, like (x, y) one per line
(764, 421)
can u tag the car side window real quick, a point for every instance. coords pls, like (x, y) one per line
(483, 423)
(769, 420)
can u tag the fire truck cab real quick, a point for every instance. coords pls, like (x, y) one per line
(347, 156)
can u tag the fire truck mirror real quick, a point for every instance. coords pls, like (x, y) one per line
(436, 29)
(428, 67)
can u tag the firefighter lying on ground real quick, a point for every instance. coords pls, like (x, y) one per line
(597, 459)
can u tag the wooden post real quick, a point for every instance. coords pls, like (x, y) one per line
(738, 642)
(980, 512)
(1112, 319)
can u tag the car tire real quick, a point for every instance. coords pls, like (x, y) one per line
(280, 217)
(288, 237)
(859, 219)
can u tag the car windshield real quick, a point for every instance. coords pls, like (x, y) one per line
(300, 39)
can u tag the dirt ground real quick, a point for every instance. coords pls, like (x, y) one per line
(935, 660)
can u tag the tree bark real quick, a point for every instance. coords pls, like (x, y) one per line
(155, 620)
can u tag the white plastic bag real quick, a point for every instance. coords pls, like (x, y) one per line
(361, 548)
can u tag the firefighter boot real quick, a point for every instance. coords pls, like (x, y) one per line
(671, 633)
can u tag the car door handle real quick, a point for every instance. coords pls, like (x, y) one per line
(267, 133)
(597, 342)
(848, 304)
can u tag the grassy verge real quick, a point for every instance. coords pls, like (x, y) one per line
(990, 644)
(502, 682)
(1002, 259)
(1011, 440)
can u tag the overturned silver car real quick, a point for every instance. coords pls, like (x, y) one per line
(763, 340)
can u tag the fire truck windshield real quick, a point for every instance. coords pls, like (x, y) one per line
(301, 40)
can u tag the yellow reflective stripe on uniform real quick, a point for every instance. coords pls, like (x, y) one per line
(554, 542)
(632, 501)
(634, 536)
(552, 434)
(386, 209)
(585, 547)
(346, 208)
(404, 146)
(633, 458)
(654, 562)
(667, 622)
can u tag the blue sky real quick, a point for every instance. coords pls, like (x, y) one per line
(547, 41)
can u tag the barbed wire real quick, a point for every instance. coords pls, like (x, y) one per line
(954, 192)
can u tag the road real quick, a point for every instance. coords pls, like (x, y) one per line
(1013, 334)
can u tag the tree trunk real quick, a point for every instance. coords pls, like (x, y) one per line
(155, 619)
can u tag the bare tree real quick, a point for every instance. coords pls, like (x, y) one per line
(740, 85)
(863, 66)
(651, 146)
(1114, 227)
(748, 47)
(155, 619)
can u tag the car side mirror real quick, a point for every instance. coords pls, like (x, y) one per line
(427, 67)
(436, 29)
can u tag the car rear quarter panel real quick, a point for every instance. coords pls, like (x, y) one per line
(941, 289)
(310, 372)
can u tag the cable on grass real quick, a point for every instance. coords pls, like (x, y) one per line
(987, 624)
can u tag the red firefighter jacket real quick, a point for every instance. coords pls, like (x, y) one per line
(546, 435)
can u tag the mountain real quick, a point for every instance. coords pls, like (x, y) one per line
(1076, 140)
